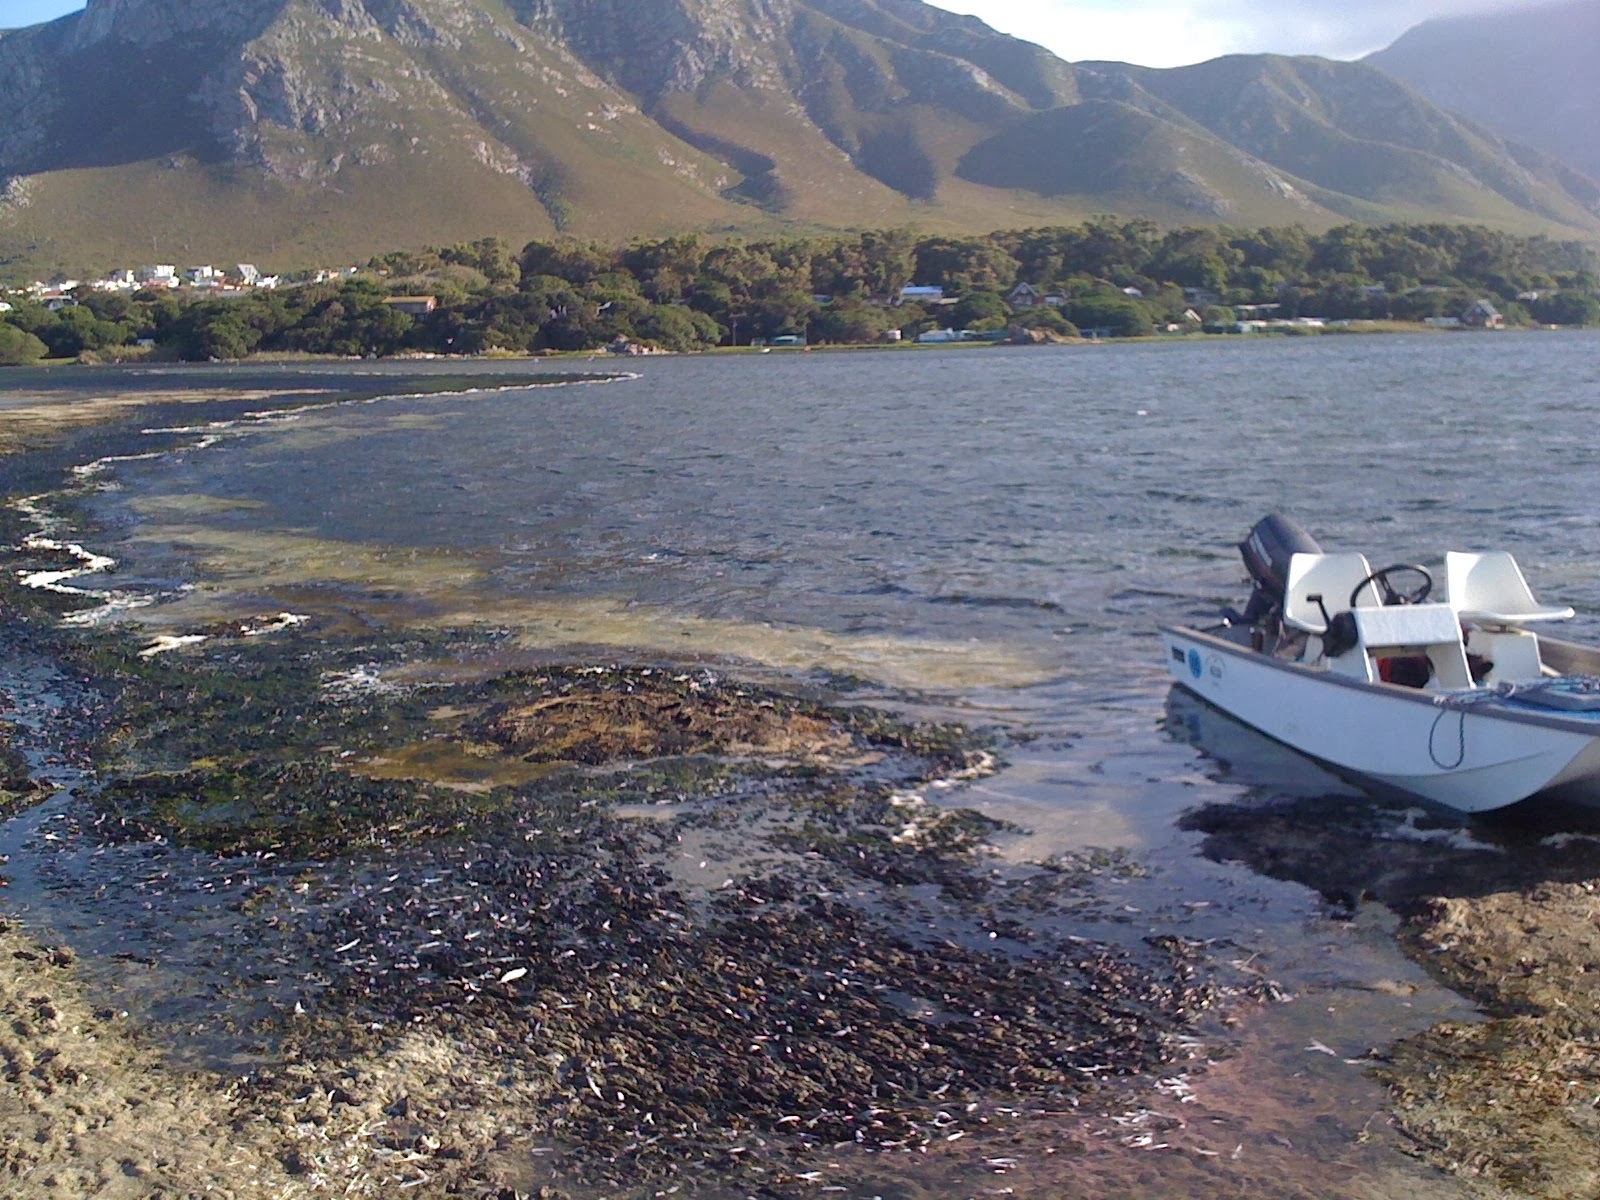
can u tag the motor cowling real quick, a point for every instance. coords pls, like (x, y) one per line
(1273, 541)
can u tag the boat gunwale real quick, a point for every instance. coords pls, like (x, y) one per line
(1544, 719)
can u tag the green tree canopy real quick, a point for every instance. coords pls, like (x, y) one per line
(491, 255)
(965, 263)
(673, 327)
(18, 347)
(215, 330)
(1566, 308)
(1123, 316)
(849, 322)
(575, 261)
(978, 306)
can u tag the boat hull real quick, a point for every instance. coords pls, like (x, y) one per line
(1467, 751)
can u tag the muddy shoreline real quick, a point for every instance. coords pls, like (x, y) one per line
(1504, 911)
(394, 910)
(486, 979)
(436, 930)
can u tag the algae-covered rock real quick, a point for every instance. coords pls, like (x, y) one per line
(1516, 1099)
(601, 724)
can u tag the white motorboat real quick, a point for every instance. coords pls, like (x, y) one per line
(1458, 700)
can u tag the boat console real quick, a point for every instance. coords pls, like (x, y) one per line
(1334, 612)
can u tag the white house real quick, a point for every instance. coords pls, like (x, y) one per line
(249, 273)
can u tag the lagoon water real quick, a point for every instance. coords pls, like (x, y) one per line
(1053, 503)
(996, 532)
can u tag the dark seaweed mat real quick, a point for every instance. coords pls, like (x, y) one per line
(806, 1002)
(775, 1006)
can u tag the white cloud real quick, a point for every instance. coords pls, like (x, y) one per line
(1165, 33)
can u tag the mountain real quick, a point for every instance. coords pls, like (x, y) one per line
(1348, 138)
(296, 131)
(1530, 75)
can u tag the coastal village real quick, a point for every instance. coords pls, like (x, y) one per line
(1205, 309)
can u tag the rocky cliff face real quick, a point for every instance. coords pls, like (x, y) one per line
(409, 119)
(672, 46)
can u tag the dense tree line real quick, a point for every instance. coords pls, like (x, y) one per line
(689, 291)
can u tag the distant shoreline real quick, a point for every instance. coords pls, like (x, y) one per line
(267, 358)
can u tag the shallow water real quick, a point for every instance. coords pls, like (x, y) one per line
(1000, 531)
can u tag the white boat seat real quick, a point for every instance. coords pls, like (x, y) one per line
(1331, 576)
(1490, 588)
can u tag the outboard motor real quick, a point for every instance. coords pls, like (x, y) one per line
(1267, 551)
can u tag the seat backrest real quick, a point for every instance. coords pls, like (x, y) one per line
(1512, 654)
(1489, 587)
(1333, 577)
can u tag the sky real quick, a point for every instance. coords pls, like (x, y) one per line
(1152, 33)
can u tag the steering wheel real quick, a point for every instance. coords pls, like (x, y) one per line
(1388, 594)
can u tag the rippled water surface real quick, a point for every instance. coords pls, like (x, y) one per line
(944, 494)
(1000, 530)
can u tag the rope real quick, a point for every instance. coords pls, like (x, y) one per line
(1462, 703)
(1461, 738)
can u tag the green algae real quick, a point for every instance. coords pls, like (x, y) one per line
(240, 747)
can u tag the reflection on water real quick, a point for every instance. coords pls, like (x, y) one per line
(1296, 822)
(1241, 754)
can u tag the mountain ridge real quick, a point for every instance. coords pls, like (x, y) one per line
(318, 128)
(1529, 75)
